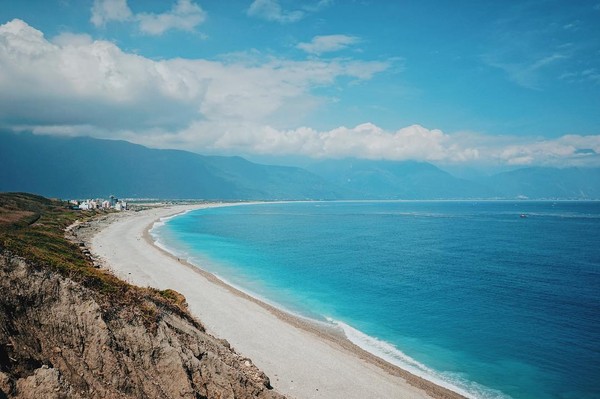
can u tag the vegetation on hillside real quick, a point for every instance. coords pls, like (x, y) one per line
(33, 228)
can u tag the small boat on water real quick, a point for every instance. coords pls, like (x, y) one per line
(523, 216)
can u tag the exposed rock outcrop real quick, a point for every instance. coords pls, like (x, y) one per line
(60, 339)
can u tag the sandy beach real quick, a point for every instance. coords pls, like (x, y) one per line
(301, 359)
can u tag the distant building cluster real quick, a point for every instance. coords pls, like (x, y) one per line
(98, 203)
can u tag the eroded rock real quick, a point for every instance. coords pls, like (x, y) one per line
(59, 340)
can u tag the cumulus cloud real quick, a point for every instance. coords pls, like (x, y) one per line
(324, 44)
(184, 15)
(104, 11)
(362, 141)
(74, 80)
(368, 141)
(572, 149)
(72, 39)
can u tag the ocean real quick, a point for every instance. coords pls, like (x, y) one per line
(493, 299)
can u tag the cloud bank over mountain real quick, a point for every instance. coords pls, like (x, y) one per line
(72, 84)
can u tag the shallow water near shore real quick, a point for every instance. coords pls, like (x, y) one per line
(467, 294)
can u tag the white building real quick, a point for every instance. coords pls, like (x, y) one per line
(104, 204)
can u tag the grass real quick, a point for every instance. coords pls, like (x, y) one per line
(33, 227)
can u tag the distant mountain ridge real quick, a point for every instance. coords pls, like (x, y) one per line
(84, 167)
(397, 180)
(544, 182)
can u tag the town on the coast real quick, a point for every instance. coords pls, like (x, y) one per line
(99, 203)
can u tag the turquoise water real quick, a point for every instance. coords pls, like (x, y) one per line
(468, 294)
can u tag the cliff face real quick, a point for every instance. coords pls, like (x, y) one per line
(58, 340)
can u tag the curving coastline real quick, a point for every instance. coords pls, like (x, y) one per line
(304, 359)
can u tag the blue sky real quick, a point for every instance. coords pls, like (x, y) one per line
(464, 82)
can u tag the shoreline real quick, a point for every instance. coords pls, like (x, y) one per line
(401, 382)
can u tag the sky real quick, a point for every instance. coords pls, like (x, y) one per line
(460, 83)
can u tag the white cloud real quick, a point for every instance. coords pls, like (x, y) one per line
(184, 15)
(96, 83)
(323, 44)
(72, 39)
(318, 6)
(271, 11)
(93, 82)
(104, 11)
(363, 141)
(517, 42)
(574, 149)
(590, 75)
(77, 86)
(526, 73)
(369, 141)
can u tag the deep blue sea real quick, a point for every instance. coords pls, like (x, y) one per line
(468, 294)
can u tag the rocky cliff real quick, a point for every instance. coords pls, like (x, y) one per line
(68, 331)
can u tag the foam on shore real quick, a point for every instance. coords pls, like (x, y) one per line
(393, 355)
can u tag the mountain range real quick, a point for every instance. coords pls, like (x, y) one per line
(83, 167)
